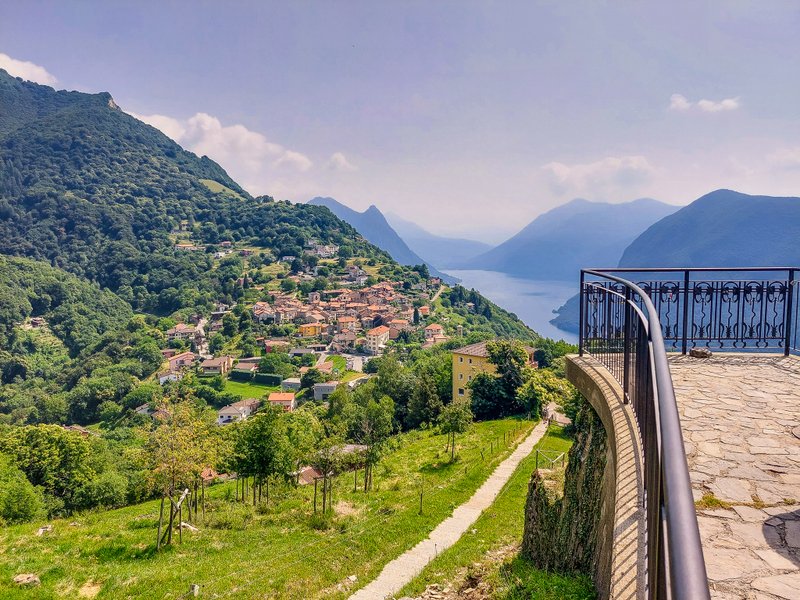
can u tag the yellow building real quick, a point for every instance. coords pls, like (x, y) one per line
(471, 360)
(311, 329)
(468, 362)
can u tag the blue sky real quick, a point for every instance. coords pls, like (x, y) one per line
(467, 117)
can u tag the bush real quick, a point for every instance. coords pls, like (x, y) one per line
(20, 501)
(267, 378)
(107, 490)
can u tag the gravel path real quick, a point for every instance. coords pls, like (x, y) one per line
(405, 567)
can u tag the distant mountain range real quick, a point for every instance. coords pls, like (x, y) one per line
(721, 229)
(376, 229)
(558, 243)
(442, 252)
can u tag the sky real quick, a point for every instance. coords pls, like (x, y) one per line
(469, 118)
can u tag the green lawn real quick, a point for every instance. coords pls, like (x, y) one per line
(247, 389)
(277, 551)
(494, 546)
(339, 362)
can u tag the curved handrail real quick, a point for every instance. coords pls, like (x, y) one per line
(685, 566)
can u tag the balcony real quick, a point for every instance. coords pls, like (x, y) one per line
(707, 449)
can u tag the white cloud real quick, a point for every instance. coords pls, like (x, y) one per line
(711, 106)
(603, 178)
(26, 70)
(339, 162)
(250, 158)
(679, 102)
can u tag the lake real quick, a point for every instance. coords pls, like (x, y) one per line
(531, 300)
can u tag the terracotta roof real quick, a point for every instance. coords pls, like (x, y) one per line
(281, 397)
(434, 326)
(378, 330)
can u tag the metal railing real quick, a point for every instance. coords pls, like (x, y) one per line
(620, 327)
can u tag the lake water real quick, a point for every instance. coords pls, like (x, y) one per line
(531, 300)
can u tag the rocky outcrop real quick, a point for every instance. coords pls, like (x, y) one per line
(562, 526)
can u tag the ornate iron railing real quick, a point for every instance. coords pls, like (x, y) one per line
(734, 309)
(621, 327)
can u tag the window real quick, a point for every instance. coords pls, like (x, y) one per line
(461, 359)
(470, 361)
(460, 391)
(461, 376)
(470, 378)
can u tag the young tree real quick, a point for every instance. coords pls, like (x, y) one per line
(180, 447)
(455, 418)
(262, 449)
(370, 424)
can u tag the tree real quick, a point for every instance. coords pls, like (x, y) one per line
(455, 418)
(425, 404)
(370, 424)
(542, 388)
(230, 325)
(487, 396)
(548, 350)
(511, 361)
(288, 285)
(20, 501)
(179, 447)
(262, 449)
(310, 377)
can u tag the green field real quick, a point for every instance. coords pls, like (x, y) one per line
(493, 542)
(217, 187)
(247, 389)
(280, 550)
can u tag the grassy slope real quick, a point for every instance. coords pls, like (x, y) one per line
(498, 530)
(278, 553)
(247, 389)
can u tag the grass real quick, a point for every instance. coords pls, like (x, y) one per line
(488, 551)
(279, 550)
(248, 389)
(339, 362)
(217, 187)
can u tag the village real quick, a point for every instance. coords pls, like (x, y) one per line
(333, 332)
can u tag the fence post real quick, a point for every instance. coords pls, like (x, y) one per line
(684, 339)
(582, 318)
(789, 307)
(626, 355)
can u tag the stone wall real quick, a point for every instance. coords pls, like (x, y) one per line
(562, 527)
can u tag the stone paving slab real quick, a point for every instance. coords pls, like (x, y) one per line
(738, 413)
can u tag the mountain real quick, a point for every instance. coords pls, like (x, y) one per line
(442, 252)
(90, 189)
(374, 227)
(558, 243)
(722, 229)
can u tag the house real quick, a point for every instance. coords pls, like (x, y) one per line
(226, 244)
(433, 330)
(424, 311)
(300, 351)
(283, 399)
(143, 409)
(263, 312)
(216, 366)
(169, 352)
(323, 390)
(311, 329)
(471, 360)
(181, 331)
(238, 411)
(179, 361)
(276, 345)
(188, 247)
(308, 475)
(290, 383)
(169, 376)
(248, 368)
(377, 339)
(346, 323)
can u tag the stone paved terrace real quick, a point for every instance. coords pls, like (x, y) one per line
(740, 415)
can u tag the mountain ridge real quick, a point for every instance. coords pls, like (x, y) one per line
(557, 243)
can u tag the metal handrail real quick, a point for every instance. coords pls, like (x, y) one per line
(676, 568)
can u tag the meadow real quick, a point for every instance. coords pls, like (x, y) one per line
(278, 549)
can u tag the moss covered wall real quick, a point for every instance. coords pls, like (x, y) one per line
(562, 528)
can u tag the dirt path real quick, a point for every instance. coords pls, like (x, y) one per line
(405, 567)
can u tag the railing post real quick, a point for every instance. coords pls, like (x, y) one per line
(626, 357)
(789, 307)
(582, 318)
(685, 311)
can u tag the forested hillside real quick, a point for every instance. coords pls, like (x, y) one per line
(93, 190)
